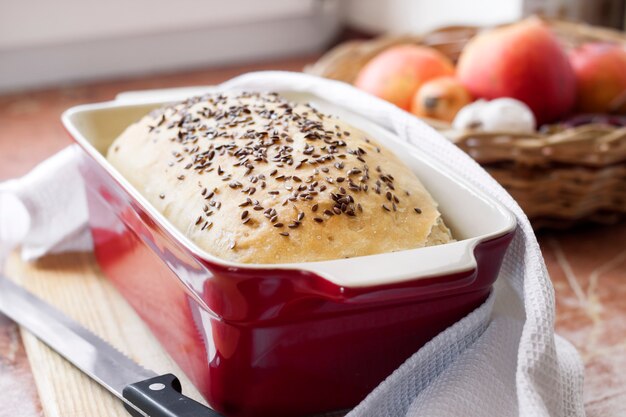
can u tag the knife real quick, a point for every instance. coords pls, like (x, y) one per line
(144, 392)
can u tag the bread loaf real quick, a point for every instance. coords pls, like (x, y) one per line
(254, 178)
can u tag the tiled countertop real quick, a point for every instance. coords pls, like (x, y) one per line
(587, 264)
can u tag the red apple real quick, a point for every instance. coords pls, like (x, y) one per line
(396, 73)
(600, 77)
(522, 61)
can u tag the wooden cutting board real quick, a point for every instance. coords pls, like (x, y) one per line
(74, 284)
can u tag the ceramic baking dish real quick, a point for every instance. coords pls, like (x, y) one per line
(286, 339)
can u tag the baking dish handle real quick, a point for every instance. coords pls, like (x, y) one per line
(397, 267)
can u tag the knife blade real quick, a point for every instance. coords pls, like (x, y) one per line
(143, 392)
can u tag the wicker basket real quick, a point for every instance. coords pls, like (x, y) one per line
(559, 178)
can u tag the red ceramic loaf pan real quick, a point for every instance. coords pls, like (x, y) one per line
(287, 339)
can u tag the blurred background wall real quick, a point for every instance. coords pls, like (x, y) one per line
(50, 42)
(47, 42)
(402, 16)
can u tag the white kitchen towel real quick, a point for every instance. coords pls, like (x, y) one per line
(46, 210)
(503, 359)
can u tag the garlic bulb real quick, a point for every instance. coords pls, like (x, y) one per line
(469, 116)
(499, 115)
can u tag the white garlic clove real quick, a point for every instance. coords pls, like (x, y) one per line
(507, 115)
(468, 118)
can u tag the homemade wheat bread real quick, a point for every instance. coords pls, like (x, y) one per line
(254, 178)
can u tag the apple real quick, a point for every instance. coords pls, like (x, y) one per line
(396, 73)
(600, 70)
(440, 98)
(523, 61)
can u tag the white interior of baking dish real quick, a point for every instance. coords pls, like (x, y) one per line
(471, 215)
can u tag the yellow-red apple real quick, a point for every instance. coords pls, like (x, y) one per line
(396, 73)
(522, 61)
(600, 70)
(440, 98)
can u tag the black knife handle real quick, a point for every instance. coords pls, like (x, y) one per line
(162, 396)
